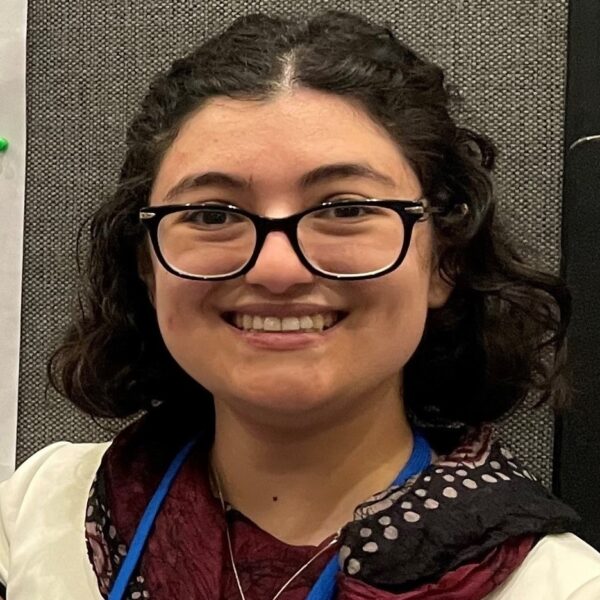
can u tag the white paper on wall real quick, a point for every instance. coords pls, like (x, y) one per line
(13, 26)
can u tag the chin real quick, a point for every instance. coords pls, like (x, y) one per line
(291, 403)
(285, 400)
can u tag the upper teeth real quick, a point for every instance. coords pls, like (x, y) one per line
(305, 323)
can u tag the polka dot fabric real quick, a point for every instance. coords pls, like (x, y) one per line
(460, 508)
(463, 509)
(105, 550)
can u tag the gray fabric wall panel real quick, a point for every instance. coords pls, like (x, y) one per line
(89, 63)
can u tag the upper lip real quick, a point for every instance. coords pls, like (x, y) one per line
(282, 310)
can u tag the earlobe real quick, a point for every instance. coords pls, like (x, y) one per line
(146, 273)
(151, 295)
(148, 279)
(440, 288)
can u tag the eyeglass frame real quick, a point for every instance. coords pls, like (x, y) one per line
(409, 211)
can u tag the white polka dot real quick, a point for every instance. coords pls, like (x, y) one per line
(431, 504)
(527, 473)
(506, 453)
(385, 520)
(449, 478)
(495, 465)
(344, 553)
(489, 478)
(518, 474)
(512, 465)
(469, 483)
(90, 511)
(112, 532)
(421, 493)
(406, 505)
(136, 595)
(427, 479)
(383, 505)
(365, 532)
(353, 566)
(122, 549)
(411, 517)
(461, 472)
(370, 547)
(439, 471)
(450, 492)
(503, 476)
(397, 494)
(390, 533)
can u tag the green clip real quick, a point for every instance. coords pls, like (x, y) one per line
(3, 144)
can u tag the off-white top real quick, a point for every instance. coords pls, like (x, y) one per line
(43, 554)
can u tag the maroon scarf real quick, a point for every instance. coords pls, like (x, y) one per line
(455, 532)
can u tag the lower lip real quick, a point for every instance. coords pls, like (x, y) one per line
(283, 341)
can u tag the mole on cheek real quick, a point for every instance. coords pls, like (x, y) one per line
(171, 321)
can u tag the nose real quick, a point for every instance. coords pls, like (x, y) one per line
(277, 267)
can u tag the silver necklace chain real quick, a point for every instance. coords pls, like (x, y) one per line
(331, 543)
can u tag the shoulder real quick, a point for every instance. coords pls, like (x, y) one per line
(47, 491)
(58, 465)
(559, 567)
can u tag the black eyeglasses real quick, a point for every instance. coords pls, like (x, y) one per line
(343, 239)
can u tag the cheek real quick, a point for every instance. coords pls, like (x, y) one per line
(178, 302)
(187, 325)
(399, 303)
(404, 312)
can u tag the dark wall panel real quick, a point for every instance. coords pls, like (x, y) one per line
(578, 433)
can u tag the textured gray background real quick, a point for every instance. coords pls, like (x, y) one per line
(89, 63)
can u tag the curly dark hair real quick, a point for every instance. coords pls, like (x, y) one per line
(500, 336)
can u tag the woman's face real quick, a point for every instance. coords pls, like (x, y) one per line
(271, 145)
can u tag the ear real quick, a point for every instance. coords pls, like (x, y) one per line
(146, 272)
(440, 288)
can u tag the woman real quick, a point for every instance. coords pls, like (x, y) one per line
(302, 282)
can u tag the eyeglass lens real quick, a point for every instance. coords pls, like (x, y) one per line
(340, 240)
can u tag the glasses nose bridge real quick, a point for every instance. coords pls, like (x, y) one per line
(286, 225)
(278, 223)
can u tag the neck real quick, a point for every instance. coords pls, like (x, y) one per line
(302, 484)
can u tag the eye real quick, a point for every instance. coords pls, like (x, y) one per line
(340, 211)
(209, 218)
(347, 211)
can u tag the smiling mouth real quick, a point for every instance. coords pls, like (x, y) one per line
(316, 323)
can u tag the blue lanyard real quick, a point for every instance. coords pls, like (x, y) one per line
(420, 459)
(324, 588)
(143, 530)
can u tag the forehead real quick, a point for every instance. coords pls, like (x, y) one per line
(276, 140)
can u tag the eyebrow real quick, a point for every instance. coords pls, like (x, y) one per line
(319, 175)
